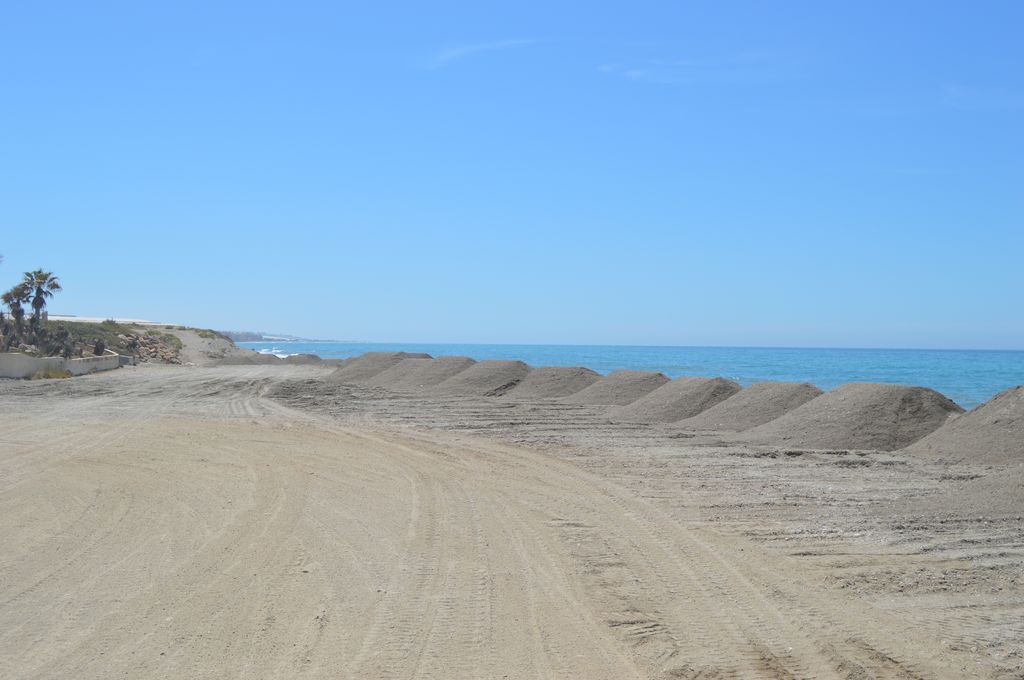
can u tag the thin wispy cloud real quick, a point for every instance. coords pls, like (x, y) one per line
(742, 68)
(450, 55)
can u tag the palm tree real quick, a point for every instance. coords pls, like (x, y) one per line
(14, 299)
(41, 285)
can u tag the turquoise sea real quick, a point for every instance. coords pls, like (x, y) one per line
(968, 377)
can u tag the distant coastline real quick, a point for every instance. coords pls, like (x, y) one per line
(260, 336)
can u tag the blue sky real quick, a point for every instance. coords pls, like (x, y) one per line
(725, 173)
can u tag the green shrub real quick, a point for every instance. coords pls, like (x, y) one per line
(172, 340)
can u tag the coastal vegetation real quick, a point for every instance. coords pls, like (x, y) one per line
(24, 328)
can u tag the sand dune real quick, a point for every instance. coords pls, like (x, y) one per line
(752, 406)
(675, 400)
(547, 382)
(410, 375)
(859, 415)
(248, 359)
(618, 388)
(490, 378)
(303, 359)
(990, 433)
(365, 366)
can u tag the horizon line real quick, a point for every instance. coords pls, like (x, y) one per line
(569, 344)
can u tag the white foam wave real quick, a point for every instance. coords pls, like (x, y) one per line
(279, 353)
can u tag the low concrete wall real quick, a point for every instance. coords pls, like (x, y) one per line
(108, 361)
(15, 365)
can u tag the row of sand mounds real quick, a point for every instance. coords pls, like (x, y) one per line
(413, 375)
(675, 400)
(365, 366)
(618, 388)
(752, 406)
(551, 382)
(859, 415)
(491, 378)
(991, 433)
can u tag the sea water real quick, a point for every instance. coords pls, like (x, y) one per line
(968, 377)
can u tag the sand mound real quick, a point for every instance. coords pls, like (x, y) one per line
(990, 433)
(303, 359)
(490, 378)
(549, 382)
(859, 415)
(677, 399)
(618, 388)
(248, 359)
(365, 366)
(411, 375)
(758, 404)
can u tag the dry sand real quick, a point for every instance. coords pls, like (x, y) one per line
(675, 400)
(411, 375)
(618, 388)
(246, 359)
(990, 433)
(859, 416)
(264, 522)
(302, 359)
(365, 366)
(752, 406)
(489, 378)
(551, 382)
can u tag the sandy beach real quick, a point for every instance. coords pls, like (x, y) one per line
(274, 521)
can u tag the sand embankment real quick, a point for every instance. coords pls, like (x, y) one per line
(618, 388)
(990, 433)
(412, 375)
(365, 366)
(675, 400)
(551, 382)
(490, 378)
(859, 415)
(752, 406)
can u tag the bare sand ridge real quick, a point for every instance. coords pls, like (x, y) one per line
(859, 416)
(752, 406)
(489, 378)
(302, 359)
(368, 365)
(550, 382)
(618, 388)
(410, 375)
(249, 359)
(990, 433)
(676, 399)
